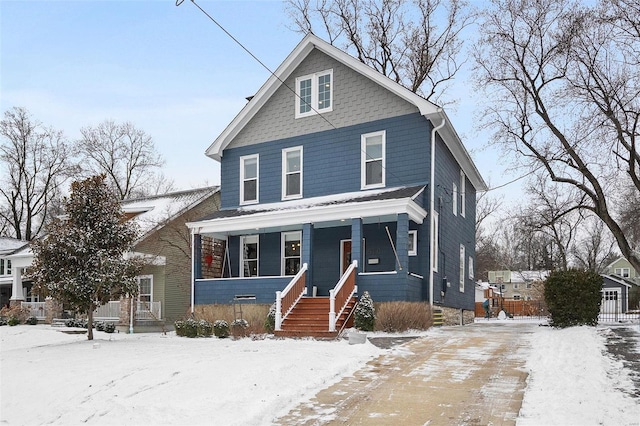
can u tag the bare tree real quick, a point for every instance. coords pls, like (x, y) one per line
(415, 43)
(124, 153)
(563, 80)
(36, 163)
(595, 250)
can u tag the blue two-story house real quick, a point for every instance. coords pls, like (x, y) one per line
(335, 175)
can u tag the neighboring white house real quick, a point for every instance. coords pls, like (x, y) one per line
(12, 265)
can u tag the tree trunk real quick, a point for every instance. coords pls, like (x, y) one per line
(90, 324)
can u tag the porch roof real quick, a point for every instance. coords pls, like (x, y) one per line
(372, 206)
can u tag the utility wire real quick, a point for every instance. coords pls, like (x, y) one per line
(179, 2)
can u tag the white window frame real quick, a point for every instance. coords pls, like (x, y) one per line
(282, 247)
(517, 297)
(454, 200)
(623, 272)
(315, 89)
(243, 159)
(462, 260)
(150, 278)
(243, 239)
(463, 196)
(436, 241)
(471, 270)
(364, 159)
(286, 173)
(413, 238)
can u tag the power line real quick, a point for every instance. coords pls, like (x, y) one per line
(179, 2)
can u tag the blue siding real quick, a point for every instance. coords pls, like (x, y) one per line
(331, 163)
(454, 230)
(223, 291)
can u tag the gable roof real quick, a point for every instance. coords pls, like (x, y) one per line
(9, 245)
(295, 58)
(621, 258)
(152, 213)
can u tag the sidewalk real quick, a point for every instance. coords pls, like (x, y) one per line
(471, 375)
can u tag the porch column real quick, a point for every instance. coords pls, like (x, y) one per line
(307, 253)
(197, 256)
(16, 289)
(402, 242)
(356, 241)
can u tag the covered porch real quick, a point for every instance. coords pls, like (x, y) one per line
(257, 250)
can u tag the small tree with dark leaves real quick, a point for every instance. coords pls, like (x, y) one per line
(81, 261)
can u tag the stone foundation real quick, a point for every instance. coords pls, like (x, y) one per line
(53, 309)
(125, 311)
(453, 316)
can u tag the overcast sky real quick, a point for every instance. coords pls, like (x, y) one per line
(169, 70)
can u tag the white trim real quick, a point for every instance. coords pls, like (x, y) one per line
(454, 200)
(142, 277)
(364, 159)
(282, 244)
(315, 91)
(471, 270)
(413, 237)
(285, 172)
(436, 241)
(311, 214)
(463, 258)
(243, 238)
(463, 195)
(242, 179)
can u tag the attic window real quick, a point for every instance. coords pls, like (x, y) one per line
(314, 94)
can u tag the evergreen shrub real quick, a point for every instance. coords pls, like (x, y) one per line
(573, 297)
(365, 313)
(205, 329)
(270, 320)
(32, 320)
(221, 329)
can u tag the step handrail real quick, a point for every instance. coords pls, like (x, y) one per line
(342, 293)
(297, 287)
(346, 320)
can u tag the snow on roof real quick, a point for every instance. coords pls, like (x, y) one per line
(150, 213)
(530, 275)
(8, 245)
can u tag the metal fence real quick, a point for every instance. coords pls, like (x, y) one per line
(611, 311)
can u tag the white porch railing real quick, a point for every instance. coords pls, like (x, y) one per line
(287, 298)
(148, 311)
(108, 311)
(36, 309)
(342, 293)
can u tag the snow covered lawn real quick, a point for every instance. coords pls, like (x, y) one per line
(50, 377)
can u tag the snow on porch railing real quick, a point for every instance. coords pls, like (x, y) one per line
(108, 311)
(342, 293)
(148, 311)
(36, 309)
(287, 298)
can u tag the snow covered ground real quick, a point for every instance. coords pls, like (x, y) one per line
(51, 377)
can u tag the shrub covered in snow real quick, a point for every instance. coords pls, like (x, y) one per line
(239, 327)
(573, 297)
(221, 328)
(270, 321)
(205, 329)
(365, 314)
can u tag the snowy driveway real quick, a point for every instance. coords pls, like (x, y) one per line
(456, 375)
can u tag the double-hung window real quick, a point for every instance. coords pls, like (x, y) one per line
(622, 272)
(454, 200)
(463, 196)
(314, 94)
(373, 160)
(249, 172)
(145, 292)
(291, 252)
(462, 259)
(249, 255)
(292, 173)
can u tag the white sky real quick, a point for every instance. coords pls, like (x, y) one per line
(169, 70)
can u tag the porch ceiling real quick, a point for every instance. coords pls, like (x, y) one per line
(322, 212)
